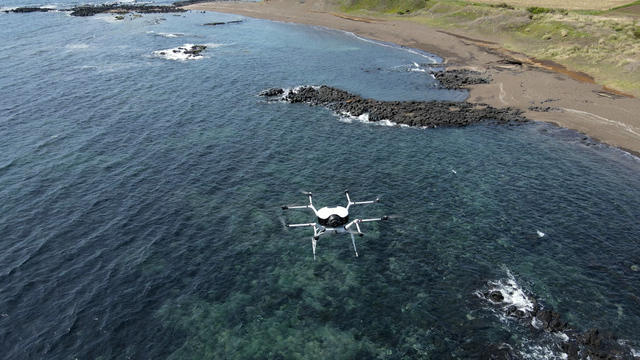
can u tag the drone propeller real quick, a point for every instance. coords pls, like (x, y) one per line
(305, 192)
(283, 223)
(355, 232)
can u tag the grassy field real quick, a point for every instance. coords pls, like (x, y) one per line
(603, 44)
(563, 4)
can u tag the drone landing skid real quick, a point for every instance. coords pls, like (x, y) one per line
(333, 221)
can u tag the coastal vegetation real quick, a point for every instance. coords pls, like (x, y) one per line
(599, 38)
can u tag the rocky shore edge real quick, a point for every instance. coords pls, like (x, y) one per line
(427, 114)
(592, 344)
(90, 10)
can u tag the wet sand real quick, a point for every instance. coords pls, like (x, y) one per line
(518, 81)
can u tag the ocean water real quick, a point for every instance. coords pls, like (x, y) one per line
(140, 202)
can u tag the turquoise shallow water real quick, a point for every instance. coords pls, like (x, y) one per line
(140, 207)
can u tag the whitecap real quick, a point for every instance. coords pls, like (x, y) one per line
(538, 352)
(170, 35)
(77, 46)
(416, 67)
(348, 118)
(512, 300)
(365, 119)
(182, 53)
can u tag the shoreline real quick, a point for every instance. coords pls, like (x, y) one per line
(519, 82)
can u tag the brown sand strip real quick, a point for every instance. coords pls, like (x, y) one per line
(587, 107)
(353, 18)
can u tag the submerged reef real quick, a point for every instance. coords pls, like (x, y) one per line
(429, 114)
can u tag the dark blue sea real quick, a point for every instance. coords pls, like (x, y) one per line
(141, 193)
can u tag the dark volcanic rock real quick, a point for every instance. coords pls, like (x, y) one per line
(223, 23)
(459, 79)
(28, 10)
(544, 108)
(551, 321)
(590, 345)
(272, 92)
(195, 50)
(496, 296)
(428, 114)
(90, 10)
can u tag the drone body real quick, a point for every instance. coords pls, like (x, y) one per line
(333, 220)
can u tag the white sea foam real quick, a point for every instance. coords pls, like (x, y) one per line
(417, 68)
(539, 352)
(182, 53)
(348, 118)
(295, 90)
(409, 50)
(605, 121)
(512, 295)
(364, 118)
(626, 343)
(170, 35)
(77, 46)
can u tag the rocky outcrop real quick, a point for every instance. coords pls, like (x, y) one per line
(428, 114)
(28, 10)
(223, 23)
(457, 79)
(592, 344)
(186, 52)
(90, 10)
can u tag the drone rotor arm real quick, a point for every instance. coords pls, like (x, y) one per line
(301, 225)
(359, 231)
(365, 202)
(310, 206)
(376, 219)
(286, 207)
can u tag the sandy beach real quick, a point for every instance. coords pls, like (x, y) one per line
(578, 103)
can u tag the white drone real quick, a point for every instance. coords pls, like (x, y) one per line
(333, 220)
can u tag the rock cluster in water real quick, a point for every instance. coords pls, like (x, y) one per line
(186, 52)
(592, 344)
(28, 9)
(223, 23)
(428, 114)
(90, 10)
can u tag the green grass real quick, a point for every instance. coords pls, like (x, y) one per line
(606, 48)
(385, 6)
(627, 5)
